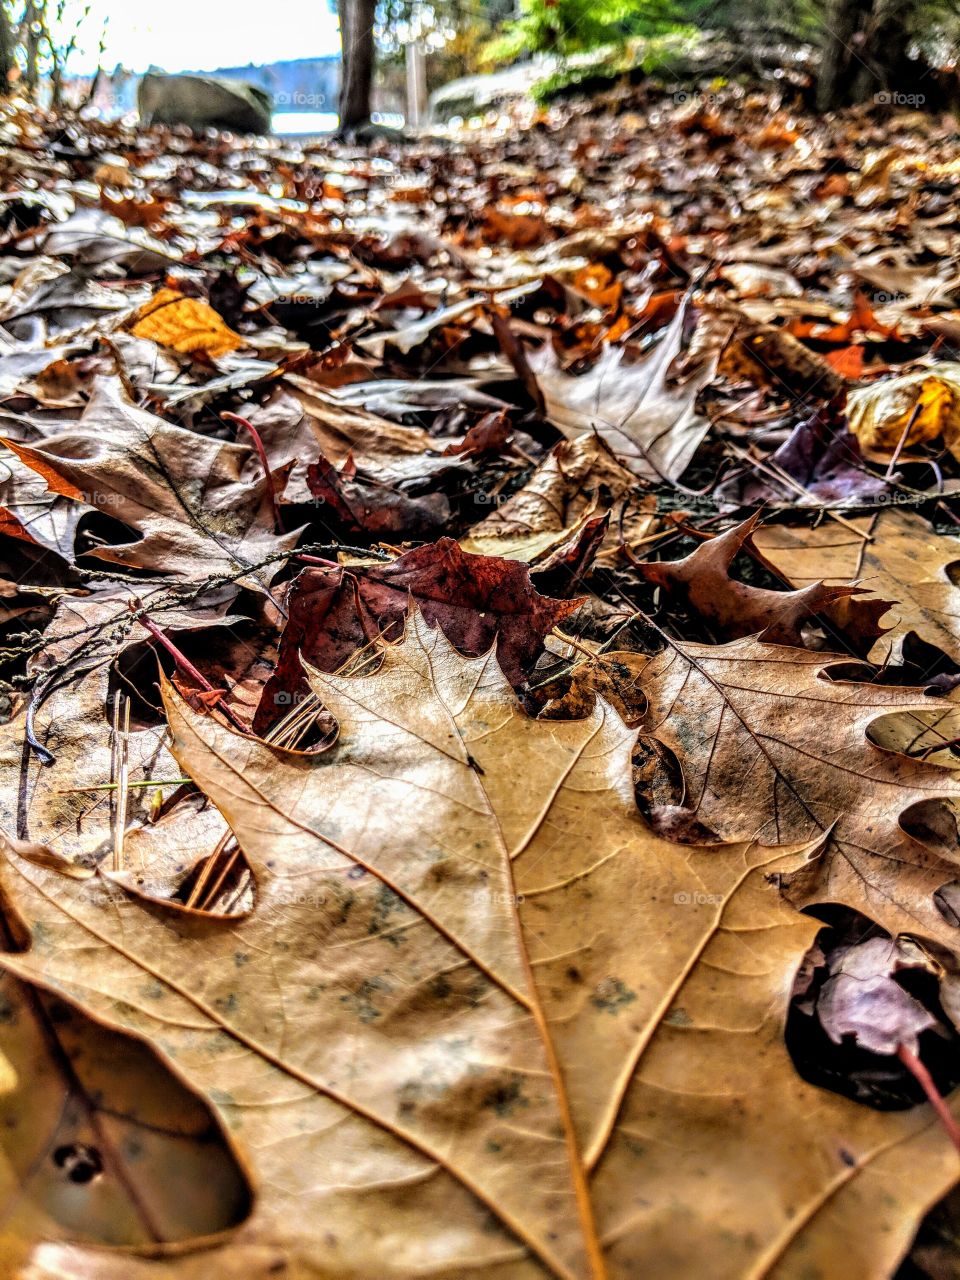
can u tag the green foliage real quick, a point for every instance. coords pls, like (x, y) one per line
(567, 27)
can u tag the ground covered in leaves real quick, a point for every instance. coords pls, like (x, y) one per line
(481, 646)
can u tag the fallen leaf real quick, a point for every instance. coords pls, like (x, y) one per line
(862, 999)
(772, 748)
(445, 1026)
(575, 479)
(99, 1137)
(738, 609)
(181, 493)
(185, 324)
(477, 600)
(894, 555)
(927, 401)
(649, 423)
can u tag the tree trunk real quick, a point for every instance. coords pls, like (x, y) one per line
(6, 49)
(840, 36)
(864, 54)
(356, 77)
(36, 16)
(888, 73)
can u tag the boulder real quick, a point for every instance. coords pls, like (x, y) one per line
(204, 102)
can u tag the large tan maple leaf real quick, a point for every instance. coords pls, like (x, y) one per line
(480, 1021)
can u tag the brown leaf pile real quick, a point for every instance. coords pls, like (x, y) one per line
(480, 656)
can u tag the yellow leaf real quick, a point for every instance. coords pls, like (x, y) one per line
(879, 414)
(185, 324)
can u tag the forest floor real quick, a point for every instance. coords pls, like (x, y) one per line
(481, 648)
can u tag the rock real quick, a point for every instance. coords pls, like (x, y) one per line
(476, 95)
(204, 102)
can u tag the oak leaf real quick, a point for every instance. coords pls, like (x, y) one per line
(738, 609)
(772, 748)
(508, 1030)
(576, 478)
(895, 555)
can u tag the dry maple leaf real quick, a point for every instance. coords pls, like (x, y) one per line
(564, 492)
(478, 600)
(894, 554)
(181, 491)
(652, 426)
(773, 749)
(301, 420)
(361, 505)
(481, 1021)
(738, 609)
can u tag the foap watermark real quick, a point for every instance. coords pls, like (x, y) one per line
(895, 498)
(694, 898)
(305, 101)
(892, 98)
(497, 898)
(690, 97)
(284, 699)
(100, 898)
(301, 900)
(102, 499)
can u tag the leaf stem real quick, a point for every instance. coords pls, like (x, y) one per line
(264, 462)
(184, 663)
(934, 1096)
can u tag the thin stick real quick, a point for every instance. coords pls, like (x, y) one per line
(779, 474)
(575, 644)
(123, 777)
(934, 1097)
(114, 760)
(204, 876)
(888, 474)
(131, 786)
(211, 897)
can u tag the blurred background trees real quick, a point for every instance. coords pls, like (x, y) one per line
(857, 49)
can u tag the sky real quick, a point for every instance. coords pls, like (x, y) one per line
(199, 35)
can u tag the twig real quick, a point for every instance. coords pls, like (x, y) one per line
(335, 547)
(131, 786)
(888, 474)
(121, 754)
(779, 474)
(214, 891)
(197, 891)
